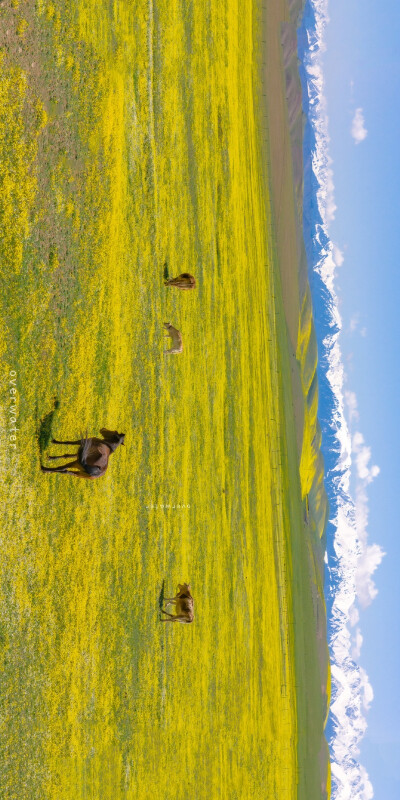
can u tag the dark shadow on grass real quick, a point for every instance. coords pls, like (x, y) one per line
(162, 595)
(166, 273)
(161, 598)
(44, 434)
(3, 637)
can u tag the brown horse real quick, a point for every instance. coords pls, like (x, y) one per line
(176, 337)
(184, 281)
(184, 605)
(92, 456)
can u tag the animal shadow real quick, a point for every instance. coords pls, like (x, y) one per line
(161, 598)
(166, 273)
(44, 433)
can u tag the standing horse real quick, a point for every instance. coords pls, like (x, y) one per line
(184, 281)
(176, 337)
(184, 605)
(93, 455)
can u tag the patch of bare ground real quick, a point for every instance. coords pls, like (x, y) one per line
(57, 88)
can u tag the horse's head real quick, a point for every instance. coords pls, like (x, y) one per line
(113, 438)
(183, 587)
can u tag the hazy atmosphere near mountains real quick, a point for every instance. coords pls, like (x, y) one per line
(197, 213)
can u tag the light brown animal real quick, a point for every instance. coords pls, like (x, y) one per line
(93, 455)
(176, 337)
(184, 281)
(184, 605)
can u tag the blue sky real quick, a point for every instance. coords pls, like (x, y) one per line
(362, 71)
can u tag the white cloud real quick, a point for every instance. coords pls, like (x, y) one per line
(370, 555)
(354, 322)
(369, 561)
(351, 402)
(357, 642)
(358, 129)
(354, 615)
(337, 255)
(367, 789)
(330, 194)
(363, 457)
(367, 691)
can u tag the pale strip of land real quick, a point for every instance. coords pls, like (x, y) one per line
(285, 219)
(282, 95)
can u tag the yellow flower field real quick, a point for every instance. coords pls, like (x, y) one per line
(129, 139)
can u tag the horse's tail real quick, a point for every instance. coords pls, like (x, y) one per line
(86, 444)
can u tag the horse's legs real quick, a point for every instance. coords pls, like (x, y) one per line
(61, 469)
(77, 441)
(168, 615)
(66, 455)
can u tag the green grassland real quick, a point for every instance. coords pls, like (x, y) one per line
(129, 139)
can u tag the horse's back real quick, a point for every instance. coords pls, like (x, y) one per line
(94, 453)
(185, 606)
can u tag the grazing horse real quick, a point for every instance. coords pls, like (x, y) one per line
(92, 456)
(184, 605)
(176, 337)
(184, 281)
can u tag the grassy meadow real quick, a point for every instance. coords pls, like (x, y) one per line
(130, 140)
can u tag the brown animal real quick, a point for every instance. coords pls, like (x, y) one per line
(93, 455)
(184, 605)
(176, 337)
(184, 281)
